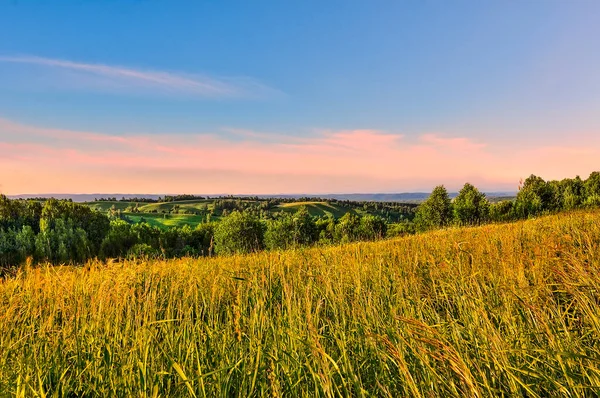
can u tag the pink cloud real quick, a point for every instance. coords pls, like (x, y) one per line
(34, 159)
(455, 143)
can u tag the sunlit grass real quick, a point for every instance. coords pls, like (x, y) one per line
(317, 209)
(499, 310)
(166, 220)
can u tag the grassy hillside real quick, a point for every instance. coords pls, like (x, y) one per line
(499, 310)
(166, 220)
(317, 209)
(191, 212)
(151, 207)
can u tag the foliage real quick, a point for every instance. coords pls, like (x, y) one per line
(471, 207)
(372, 228)
(502, 211)
(536, 196)
(239, 233)
(290, 231)
(436, 211)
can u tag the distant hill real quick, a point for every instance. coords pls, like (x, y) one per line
(84, 197)
(405, 197)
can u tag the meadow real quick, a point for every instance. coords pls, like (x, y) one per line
(497, 310)
(192, 212)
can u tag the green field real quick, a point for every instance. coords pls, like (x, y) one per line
(193, 205)
(317, 209)
(192, 212)
(166, 220)
(104, 206)
(499, 310)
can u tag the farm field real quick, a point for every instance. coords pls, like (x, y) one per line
(193, 212)
(166, 220)
(498, 310)
(318, 209)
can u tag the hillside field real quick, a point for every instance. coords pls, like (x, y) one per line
(498, 310)
(192, 212)
(317, 209)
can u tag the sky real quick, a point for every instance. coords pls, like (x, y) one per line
(274, 97)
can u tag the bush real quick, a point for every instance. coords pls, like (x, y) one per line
(471, 207)
(239, 233)
(142, 251)
(436, 211)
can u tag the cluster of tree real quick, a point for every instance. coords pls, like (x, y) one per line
(141, 239)
(55, 231)
(66, 232)
(113, 199)
(243, 232)
(177, 198)
(535, 197)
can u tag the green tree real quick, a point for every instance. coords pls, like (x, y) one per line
(436, 211)
(239, 233)
(289, 231)
(572, 192)
(202, 239)
(326, 230)
(592, 189)
(25, 241)
(347, 228)
(9, 252)
(279, 233)
(118, 240)
(372, 228)
(304, 228)
(502, 211)
(471, 207)
(535, 197)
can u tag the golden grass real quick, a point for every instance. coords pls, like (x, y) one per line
(499, 310)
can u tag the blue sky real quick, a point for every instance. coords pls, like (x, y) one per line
(499, 75)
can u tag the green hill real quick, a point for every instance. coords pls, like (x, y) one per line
(192, 212)
(317, 209)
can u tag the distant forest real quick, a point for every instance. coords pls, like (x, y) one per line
(64, 232)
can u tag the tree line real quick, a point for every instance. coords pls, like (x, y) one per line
(61, 231)
(535, 197)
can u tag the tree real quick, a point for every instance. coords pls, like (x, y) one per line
(471, 207)
(501, 211)
(202, 239)
(326, 230)
(118, 241)
(372, 228)
(436, 211)
(25, 241)
(239, 233)
(304, 228)
(279, 233)
(535, 197)
(592, 189)
(146, 234)
(348, 228)
(572, 192)
(289, 231)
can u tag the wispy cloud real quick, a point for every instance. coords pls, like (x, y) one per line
(121, 78)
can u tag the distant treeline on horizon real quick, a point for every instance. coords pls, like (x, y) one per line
(61, 231)
(407, 197)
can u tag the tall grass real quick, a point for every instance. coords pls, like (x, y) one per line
(499, 310)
